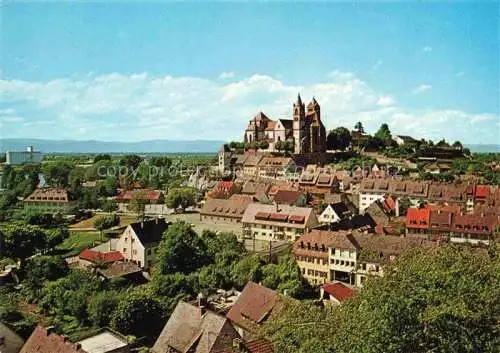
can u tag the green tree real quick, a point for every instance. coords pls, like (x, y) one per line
(384, 135)
(40, 269)
(180, 198)
(441, 300)
(181, 250)
(101, 307)
(102, 157)
(109, 206)
(359, 127)
(138, 313)
(57, 173)
(131, 161)
(338, 139)
(246, 269)
(303, 327)
(21, 241)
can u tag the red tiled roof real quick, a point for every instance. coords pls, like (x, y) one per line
(94, 256)
(44, 341)
(390, 203)
(482, 191)
(417, 218)
(287, 196)
(128, 195)
(296, 218)
(253, 305)
(338, 291)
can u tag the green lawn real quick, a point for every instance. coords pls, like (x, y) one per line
(78, 241)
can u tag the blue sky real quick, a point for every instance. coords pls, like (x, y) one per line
(132, 71)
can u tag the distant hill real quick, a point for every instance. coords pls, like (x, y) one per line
(92, 146)
(484, 148)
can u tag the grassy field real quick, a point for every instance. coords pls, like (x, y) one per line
(78, 241)
(125, 220)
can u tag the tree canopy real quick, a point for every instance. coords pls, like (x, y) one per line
(338, 139)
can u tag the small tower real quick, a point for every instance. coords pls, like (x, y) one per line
(299, 117)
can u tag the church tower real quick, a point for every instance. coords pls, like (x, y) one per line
(298, 126)
(317, 132)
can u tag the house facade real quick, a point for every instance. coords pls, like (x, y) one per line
(47, 200)
(139, 241)
(277, 222)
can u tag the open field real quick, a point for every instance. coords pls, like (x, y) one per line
(78, 241)
(88, 223)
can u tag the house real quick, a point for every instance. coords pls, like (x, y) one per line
(290, 197)
(359, 138)
(104, 340)
(348, 257)
(311, 254)
(88, 257)
(47, 200)
(381, 211)
(191, 329)
(253, 307)
(335, 213)
(153, 200)
(258, 189)
(277, 222)
(225, 210)
(405, 140)
(336, 292)
(224, 190)
(276, 167)
(10, 341)
(433, 222)
(250, 164)
(139, 241)
(372, 190)
(43, 340)
(437, 168)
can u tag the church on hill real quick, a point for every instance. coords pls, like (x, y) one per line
(305, 130)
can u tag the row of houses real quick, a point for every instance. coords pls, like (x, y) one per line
(429, 222)
(348, 257)
(464, 195)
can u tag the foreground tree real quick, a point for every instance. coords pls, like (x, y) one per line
(138, 313)
(442, 300)
(431, 300)
(181, 250)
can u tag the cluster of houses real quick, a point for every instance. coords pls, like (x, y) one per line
(195, 326)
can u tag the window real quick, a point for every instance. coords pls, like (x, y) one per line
(124, 250)
(134, 252)
(126, 239)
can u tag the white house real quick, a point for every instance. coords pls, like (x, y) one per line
(139, 241)
(334, 213)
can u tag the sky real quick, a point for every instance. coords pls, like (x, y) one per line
(131, 71)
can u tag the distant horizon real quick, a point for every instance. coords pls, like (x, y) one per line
(193, 146)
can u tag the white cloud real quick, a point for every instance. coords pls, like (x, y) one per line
(427, 49)
(422, 88)
(385, 101)
(460, 73)
(144, 107)
(226, 75)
